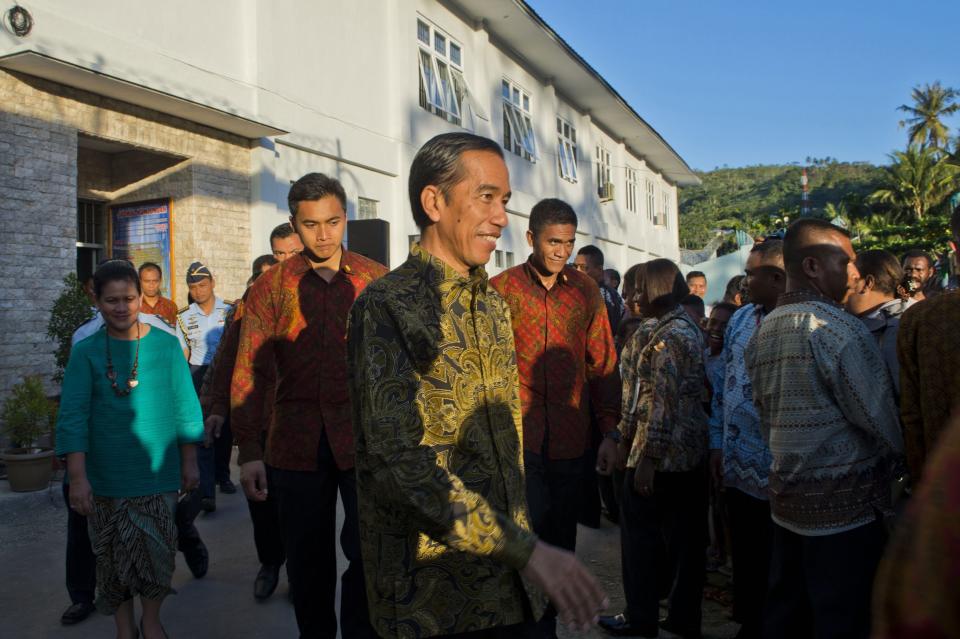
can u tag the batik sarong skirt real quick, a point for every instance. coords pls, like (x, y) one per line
(135, 542)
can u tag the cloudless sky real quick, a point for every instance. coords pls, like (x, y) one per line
(743, 82)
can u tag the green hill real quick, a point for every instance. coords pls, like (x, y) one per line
(753, 197)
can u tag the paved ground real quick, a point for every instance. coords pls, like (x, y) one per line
(32, 594)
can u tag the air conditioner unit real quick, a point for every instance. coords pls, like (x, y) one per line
(606, 192)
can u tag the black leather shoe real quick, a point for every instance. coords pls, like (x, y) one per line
(227, 487)
(620, 626)
(208, 504)
(198, 559)
(76, 613)
(266, 582)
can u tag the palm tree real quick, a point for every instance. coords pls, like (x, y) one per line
(931, 103)
(917, 181)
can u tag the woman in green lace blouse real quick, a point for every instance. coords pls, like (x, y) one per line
(129, 420)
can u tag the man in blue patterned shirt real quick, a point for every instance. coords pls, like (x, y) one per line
(739, 457)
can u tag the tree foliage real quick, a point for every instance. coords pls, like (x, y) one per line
(897, 207)
(70, 310)
(931, 104)
(758, 199)
(917, 181)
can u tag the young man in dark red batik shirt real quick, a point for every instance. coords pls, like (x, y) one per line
(294, 330)
(568, 368)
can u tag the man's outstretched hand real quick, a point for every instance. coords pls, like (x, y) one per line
(572, 590)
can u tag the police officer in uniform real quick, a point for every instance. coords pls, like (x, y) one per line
(199, 329)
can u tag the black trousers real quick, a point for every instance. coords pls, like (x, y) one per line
(81, 562)
(751, 531)
(307, 502)
(188, 507)
(664, 536)
(610, 494)
(821, 586)
(222, 451)
(590, 490)
(265, 516)
(553, 499)
(206, 456)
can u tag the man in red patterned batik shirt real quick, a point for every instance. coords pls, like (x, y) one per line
(568, 367)
(294, 330)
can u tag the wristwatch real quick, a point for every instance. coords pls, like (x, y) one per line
(614, 435)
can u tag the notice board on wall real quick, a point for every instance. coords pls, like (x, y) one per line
(143, 232)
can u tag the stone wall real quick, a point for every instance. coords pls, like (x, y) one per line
(39, 126)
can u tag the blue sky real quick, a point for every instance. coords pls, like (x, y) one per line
(760, 82)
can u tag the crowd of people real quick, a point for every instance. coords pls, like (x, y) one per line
(468, 424)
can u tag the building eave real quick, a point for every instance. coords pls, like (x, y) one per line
(516, 27)
(37, 64)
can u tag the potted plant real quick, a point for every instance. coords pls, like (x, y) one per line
(27, 416)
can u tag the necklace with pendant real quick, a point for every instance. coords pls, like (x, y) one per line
(132, 378)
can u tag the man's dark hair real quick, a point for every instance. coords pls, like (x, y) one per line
(733, 288)
(312, 187)
(150, 265)
(883, 267)
(915, 253)
(661, 283)
(114, 271)
(437, 163)
(695, 301)
(593, 255)
(282, 231)
(613, 274)
(797, 241)
(260, 261)
(769, 248)
(550, 211)
(693, 274)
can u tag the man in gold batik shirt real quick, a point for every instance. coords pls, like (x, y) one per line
(434, 388)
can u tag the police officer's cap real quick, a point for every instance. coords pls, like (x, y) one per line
(196, 272)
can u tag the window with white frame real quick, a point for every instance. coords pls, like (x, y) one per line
(567, 150)
(518, 134)
(604, 183)
(651, 201)
(633, 186)
(443, 89)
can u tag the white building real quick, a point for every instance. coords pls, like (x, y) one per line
(207, 111)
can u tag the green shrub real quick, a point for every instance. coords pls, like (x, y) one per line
(27, 413)
(70, 310)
